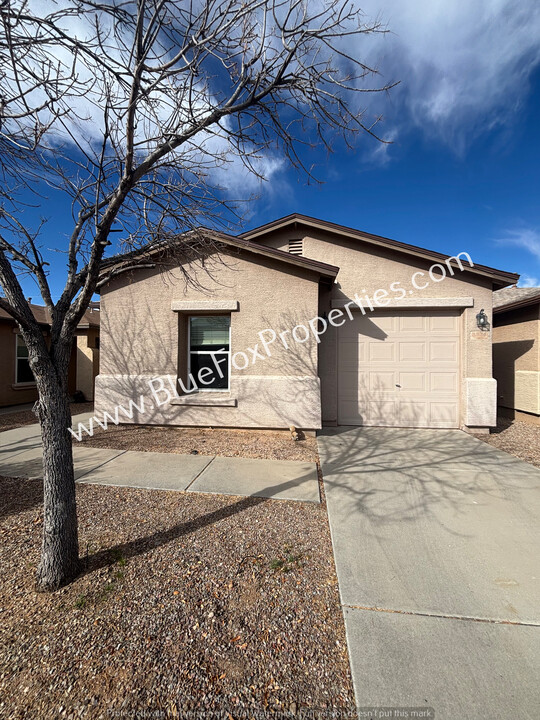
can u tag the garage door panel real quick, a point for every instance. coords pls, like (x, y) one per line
(381, 411)
(351, 414)
(352, 351)
(443, 382)
(412, 351)
(399, 368)
(412, 381)
(414, 414)
(381, 351)
(412, 323)
(382, 381)
(385, 323)
(443, 414)
(351, 383)
(445, 352)
(443, 323)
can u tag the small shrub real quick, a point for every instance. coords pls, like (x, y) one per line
(80, 602)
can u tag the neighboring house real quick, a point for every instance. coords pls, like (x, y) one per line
(420, 359)
(516, 351)
(88, 351)
(17, 384)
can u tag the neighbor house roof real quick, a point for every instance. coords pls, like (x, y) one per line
(131, 260)
(515, 297)
(501, 278)
(39, 312)
(42, 316)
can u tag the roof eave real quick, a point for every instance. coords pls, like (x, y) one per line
(499, 277)
(324, 270)
(516, 304)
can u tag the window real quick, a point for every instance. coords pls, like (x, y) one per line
(209, 352)
(23, 374)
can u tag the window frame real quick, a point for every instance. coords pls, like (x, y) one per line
(205, 352)
(28, 383)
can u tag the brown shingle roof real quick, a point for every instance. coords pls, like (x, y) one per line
(40, 313)
(515, 297)
(42, 316)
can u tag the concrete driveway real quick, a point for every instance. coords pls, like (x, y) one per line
(437, 543)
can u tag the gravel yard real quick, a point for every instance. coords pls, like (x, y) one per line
(272, 445)
(9, 421)
(189, 602)
(517, 438)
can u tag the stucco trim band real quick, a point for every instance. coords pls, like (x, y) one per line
(203, 305)
(459, 302)
(264, 401)
(206, 400)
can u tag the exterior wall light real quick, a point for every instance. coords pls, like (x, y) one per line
(482, 320)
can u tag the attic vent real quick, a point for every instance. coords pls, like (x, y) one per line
(295, 247)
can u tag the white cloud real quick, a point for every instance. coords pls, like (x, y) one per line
(464, 66)
(211, 154)
(528, 281)
(525, 238)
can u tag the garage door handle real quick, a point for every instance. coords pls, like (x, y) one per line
(398, 385)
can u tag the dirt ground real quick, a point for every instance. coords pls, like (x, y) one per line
(187, 602)
(517, 438)
(274, 445)
(11, 420)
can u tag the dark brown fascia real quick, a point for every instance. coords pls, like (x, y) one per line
(501, 277)
(516, 304)
(324, 270)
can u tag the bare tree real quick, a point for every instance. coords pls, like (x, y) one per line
(129, 108)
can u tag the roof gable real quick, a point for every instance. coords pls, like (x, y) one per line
(143, 257)
(500, 278)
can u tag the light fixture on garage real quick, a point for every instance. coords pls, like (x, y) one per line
(482, 320)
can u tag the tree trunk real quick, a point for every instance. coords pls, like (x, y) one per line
(60, 549)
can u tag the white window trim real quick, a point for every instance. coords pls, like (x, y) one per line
(205, 352)
(26, 383)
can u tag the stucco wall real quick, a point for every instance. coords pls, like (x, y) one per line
(10, 394)
(143, 338)
(87, 362)
(364, 269)
(516, 358)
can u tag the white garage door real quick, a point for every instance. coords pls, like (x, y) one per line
(399, 368)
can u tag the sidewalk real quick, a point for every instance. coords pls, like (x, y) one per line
(20, 456)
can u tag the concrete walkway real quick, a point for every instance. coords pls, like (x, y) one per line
(12, 409)
(20, 456)
(436, 538)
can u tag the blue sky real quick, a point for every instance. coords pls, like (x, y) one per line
(484, 199)
(463, 170)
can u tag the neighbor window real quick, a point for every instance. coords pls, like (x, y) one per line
(23, 374)
(209, 350)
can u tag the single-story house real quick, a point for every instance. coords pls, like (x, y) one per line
(516, 351)
(87, 339)
(17, 385)
(300, 322)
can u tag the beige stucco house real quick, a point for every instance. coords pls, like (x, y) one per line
(516, 351)
(300, 322)
(17, 385)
